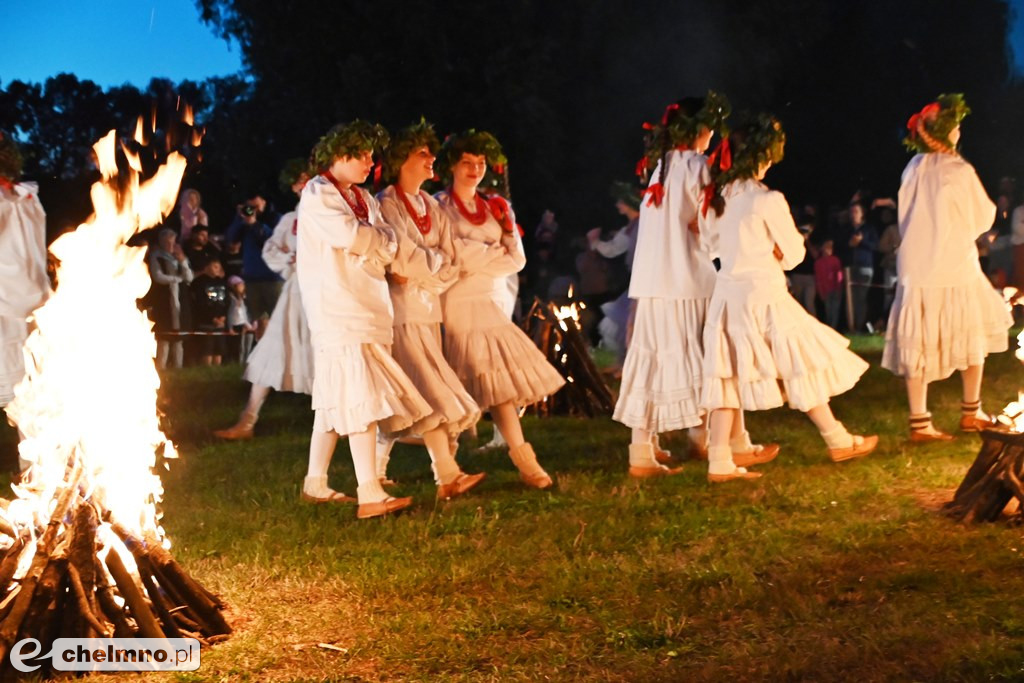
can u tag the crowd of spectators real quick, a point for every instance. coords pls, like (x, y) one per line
(218, 283)
(211, 294)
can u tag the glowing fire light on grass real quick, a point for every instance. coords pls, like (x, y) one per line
(88, 400)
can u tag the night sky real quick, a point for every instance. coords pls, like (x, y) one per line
(152, 39)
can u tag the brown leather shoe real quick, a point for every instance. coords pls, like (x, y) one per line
(919, 436)
(384, 507)
(973, 423)
(652, 472)
(234, 433)
(735, 474)
(857, 450)
(335, 497)
(462, 483)
(662, 456)
(760, 455)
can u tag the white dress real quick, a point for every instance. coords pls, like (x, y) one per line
(24, 285)
(761, 347)
(340, 266)
(671, 281)
(283, 357)
(946, 315)
(426, 261)
(495, 360)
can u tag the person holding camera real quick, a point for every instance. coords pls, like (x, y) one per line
(250, 230)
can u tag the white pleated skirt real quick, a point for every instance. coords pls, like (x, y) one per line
(283, 357)
(494, 360)
(662, 374)
(418, 350)
(761, 353)
(356, 385)
(935, 330)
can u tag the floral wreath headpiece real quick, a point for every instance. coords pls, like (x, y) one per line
(928, 130)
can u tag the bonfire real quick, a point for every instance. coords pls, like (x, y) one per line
(82, 550)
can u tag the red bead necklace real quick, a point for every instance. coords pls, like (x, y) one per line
(359, 207)
(422, 222)
(479, 217)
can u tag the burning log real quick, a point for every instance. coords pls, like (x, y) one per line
(993, 480)
(556, 332)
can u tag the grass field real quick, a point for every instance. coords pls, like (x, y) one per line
(815, 572)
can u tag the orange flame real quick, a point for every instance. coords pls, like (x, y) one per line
(90, 385)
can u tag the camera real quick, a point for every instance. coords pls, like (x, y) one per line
(248, 210)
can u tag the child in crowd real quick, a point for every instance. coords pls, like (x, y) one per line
(761, 348)
(210, 310)
(828, 280)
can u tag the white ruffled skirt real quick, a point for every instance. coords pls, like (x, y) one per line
(13, 332)
(418, 350)
(935, 330)
(761, 352)
(283, 357)
(494, 360)
(662, 374)
(356, 385)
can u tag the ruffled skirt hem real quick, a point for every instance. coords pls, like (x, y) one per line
(661, 376)
(934, 331)
(357, 385)
(764, 355)
(494, 360)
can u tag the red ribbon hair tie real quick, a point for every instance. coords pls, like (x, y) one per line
(6, 184)
(641, 167)
(668, 110)
(655, 193)
(722, 155)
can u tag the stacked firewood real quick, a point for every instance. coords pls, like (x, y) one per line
(995, 478)
(585, 393)
(78, 585)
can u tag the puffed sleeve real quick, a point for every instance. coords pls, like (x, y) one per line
(276, 253)
(323, 214)
(978, 211)
(775, 211)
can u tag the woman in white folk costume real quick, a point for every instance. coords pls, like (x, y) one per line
(344, 247)
(671, 282)
(495, 360)
(283, 357)
(422, 269)
(946, 316)
(761, 348)
(24, 285)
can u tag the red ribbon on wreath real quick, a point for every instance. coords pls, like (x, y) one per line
(929, 113)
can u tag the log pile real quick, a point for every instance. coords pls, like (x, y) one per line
(995, 478)
(559, 338)
(88, 576)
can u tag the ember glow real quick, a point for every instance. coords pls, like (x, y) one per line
(88, 400)
(1012, 416)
